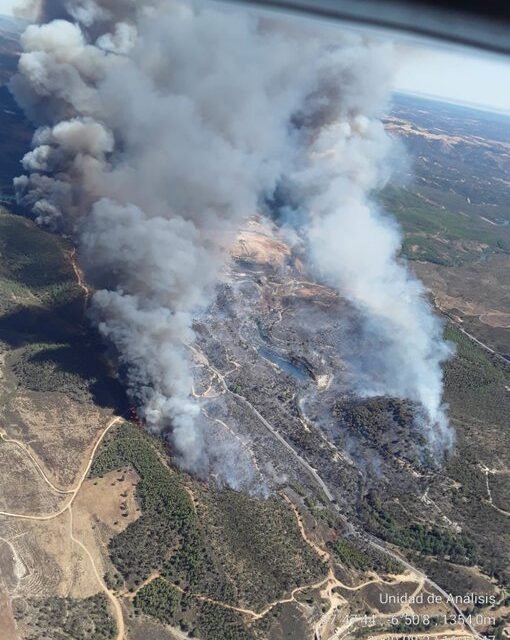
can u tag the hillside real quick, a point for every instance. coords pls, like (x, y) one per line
(319, 503)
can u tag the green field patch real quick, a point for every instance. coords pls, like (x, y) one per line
(433, 232)
(475, 382)
(391, 524)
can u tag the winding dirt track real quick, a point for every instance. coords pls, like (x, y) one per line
(121, 633)
(352, 530)
(330, 580)
(3, 436)
(80, 278)
(490, 499)
(117, 608)
(72, 492)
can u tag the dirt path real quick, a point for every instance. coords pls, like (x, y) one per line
(117, 608)
(254, 615)
(490, 500)
(371, 540)
(72, 492)
(68, 507)
(336, 600)
(203, 359)
(80, 278)
(426, 499)
(130, 595)
(4, 438)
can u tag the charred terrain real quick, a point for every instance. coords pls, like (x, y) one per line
(336, 501)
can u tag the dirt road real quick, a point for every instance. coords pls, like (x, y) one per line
(72, 492)
(117, 608)
(350, 527)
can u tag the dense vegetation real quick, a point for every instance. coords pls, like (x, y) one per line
(34, 268)
(42, 318)
(476, 390)
(64, 618)
(216, 623)
(386, 424)
(165, 538)
(57, 367)
(160, 600)
(428, 540)
(228, 546)
(438, 232)
(197, 617)
(366, 559)
(371, 416)
(476, 382)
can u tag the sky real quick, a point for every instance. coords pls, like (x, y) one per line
(455, 74)
(6, 6)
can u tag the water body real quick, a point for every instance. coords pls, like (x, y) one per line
(295, 369)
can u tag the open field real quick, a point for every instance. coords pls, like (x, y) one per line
(56, 397)
(455, 211)
(22, 489)
(61, 432)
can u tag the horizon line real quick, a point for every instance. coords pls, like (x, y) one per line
(475, 106)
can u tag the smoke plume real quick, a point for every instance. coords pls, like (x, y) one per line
(162, 126)
(343, 158)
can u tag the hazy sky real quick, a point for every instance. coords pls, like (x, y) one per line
(461, 75)
(6, 6)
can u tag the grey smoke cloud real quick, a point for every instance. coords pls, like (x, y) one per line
(162, 125)
(355, 248)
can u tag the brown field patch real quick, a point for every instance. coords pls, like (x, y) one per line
(477, 293)
(496, 319)
(47, 562)
(109, 500)
(374, 595)
(7, 623)
(22, 488)
(60, 432)
(103, 508)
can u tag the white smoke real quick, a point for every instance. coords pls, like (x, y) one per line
(355, 248)
(162, 126)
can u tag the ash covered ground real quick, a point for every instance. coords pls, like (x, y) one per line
(273, 371)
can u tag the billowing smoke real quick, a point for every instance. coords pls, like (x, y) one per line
(344, 157)
(162, 126)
